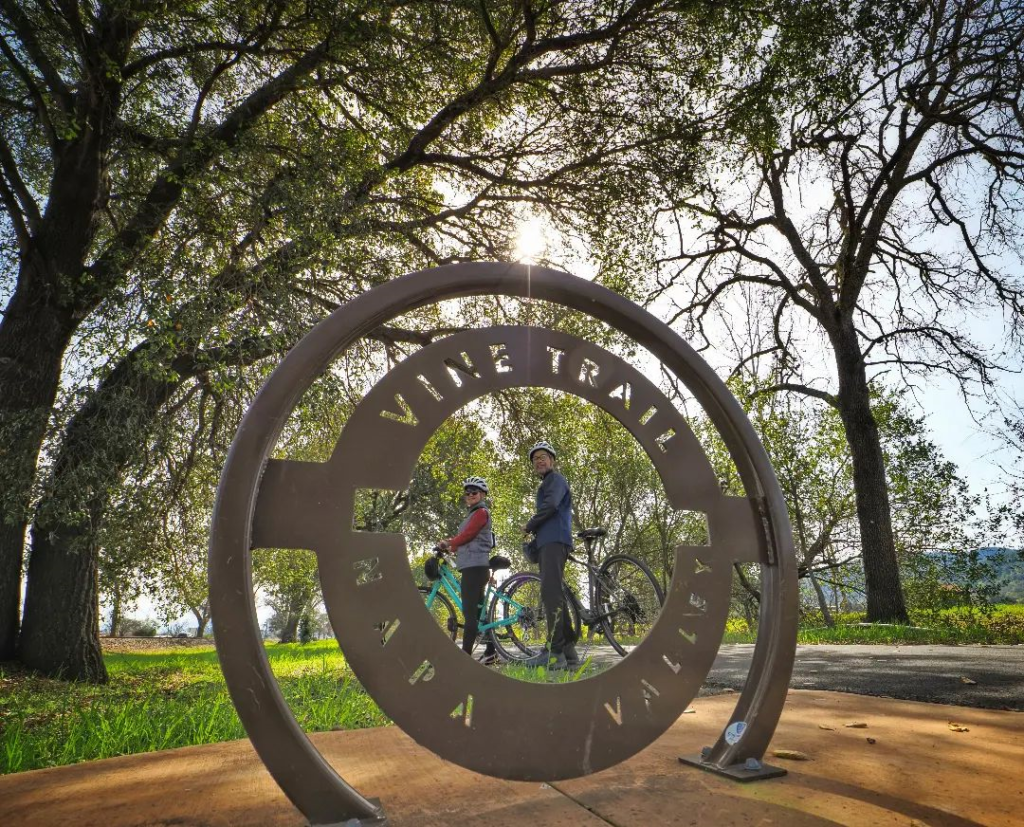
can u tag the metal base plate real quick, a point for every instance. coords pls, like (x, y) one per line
(380, 821)
(737, 772)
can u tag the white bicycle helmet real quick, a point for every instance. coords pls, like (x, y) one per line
(476, 482)
(542, 446)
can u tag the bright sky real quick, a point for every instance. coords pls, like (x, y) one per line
(980, 455)
(966, 436)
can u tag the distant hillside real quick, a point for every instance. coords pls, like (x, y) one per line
(1007, 576)
(1008, 565)
(1007, 571)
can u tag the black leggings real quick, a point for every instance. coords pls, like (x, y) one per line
(474, 582)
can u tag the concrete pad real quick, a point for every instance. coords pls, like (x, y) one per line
(917, 772)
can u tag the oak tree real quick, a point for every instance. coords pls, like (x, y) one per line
(874, 225)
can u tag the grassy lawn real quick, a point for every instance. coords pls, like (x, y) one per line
(164, 699)
(161, 700)
(1001, 624)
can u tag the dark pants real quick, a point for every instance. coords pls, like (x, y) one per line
(474, 583)
(553, 557)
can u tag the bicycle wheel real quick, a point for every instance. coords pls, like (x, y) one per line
(518, 607)
(443, 611)
(630, 599)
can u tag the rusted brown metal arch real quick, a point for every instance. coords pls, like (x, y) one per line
(307, 779)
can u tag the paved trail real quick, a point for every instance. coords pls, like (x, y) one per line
(934, 674)
(917, 673)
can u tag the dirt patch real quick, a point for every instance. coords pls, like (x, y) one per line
(151, 644)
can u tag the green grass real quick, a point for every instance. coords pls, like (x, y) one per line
(166, 699)
(162, 700)
(538, 674)
(1001, 624)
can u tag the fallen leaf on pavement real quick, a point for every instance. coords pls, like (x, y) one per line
(955, 727)
(856, 725)
(791, 754)
(965, 679)
(825, 726)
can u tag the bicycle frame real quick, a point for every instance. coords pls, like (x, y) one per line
(588, 617)
(449, 582)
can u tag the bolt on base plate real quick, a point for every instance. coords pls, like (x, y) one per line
(379, 820)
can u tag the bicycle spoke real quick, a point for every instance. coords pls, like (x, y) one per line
(630, 599)
(518, 610)
(442, 610)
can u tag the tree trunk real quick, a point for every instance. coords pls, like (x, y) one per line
(201, 620)
(667, 553)
(33, 337)
(874, 514)
(54, 292)
(298, 604)
(115, 612)
(748, 614)
(750, 590)
(99, 441)
(12, 552)
(290, 628)
(826, 615)
(60, 635)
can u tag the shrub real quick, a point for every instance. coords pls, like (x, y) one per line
(133, 627)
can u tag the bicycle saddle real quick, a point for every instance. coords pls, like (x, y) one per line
(497, 563)
(591, 533)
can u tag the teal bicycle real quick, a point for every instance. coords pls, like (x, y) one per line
(499, 612)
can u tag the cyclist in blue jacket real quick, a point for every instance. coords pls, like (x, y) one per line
(473, 545)
(551, 527)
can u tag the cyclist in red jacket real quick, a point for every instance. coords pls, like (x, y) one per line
(473, 545)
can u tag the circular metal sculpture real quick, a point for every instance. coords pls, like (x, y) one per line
(446, 701)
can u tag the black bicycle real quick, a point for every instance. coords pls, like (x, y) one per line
(622, 601)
